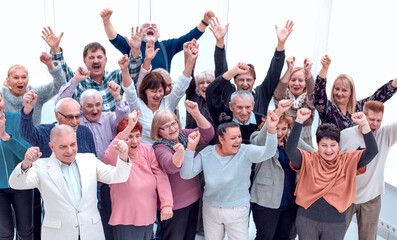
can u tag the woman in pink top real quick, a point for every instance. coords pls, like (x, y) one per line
(134, 202)
(169, 147)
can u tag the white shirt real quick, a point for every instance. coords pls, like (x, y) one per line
(71, 175)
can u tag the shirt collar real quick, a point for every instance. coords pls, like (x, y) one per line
(251, 120)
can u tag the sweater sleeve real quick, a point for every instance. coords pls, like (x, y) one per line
(121, 44)
(131, 97)
(220, 61)
(47, 91)
(67, 90)
(175, 45)
(258, 154)
(164, 155)
(280, 91)
(27, 129)
(382, 94)
(320, 97)
(191, 166)
(178, 91)
(218, 94)
(370, 151)
(293, 153)
(69, 74)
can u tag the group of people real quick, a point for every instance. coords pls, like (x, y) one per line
(117, 159)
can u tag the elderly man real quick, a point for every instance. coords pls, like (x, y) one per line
(168, 48)
(102, 124)
(67, 181)
(219, 91)
(94, 56)
(370, 185)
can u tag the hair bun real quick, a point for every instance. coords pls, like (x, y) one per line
(224, 118)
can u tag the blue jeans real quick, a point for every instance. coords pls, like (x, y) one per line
(22, 202)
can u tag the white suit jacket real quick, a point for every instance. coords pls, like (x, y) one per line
(62, 219)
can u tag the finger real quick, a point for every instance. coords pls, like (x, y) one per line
(60, 36)
(50, 29)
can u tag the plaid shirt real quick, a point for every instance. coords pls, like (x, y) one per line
(89, 83)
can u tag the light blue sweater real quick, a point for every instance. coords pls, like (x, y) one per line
(227, 179)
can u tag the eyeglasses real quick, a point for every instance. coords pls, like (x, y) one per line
(70, 117)
(167, 127)
(146, 25)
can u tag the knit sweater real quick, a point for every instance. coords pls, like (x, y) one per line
(227, 179)
(40, 135)
(44, 93)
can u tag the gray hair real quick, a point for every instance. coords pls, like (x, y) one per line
(60, 130)
(243, 94)
(59, 103)
(89, 93)
(164, 73)
(202, 76)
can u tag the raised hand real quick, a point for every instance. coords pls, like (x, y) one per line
(359, 118)
(208, 15)
(114, 90)
(106, 14)
(133, 119)
(191, 50)
(303, 114)
(283, 33)
(325, 61)
(166, 213)
(177, 158)
(179, 149)
(150, 52)
(192, 107)
(81, 74)
(51, 39)
(216, 29)
(121, 148)
(29, 100)
(272, 120)
(290, 62)
(283, 106)
(31, 155)
(136, 39)
(46, 58)
(124, 63)
(307, 66)
(193, 140)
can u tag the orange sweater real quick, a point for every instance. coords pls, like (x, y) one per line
(334, 180)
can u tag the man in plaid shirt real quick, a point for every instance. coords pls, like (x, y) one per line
(95, 60)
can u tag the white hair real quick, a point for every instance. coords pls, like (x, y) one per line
(60, 130)
(243, 94)
(90, 93)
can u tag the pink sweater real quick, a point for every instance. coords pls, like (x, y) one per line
(135, 201)
(184, 192)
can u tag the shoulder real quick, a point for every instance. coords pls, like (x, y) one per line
(14, 116)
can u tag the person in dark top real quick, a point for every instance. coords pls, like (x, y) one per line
(220, 90)
(326, 186)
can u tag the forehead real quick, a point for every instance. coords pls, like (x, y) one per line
(282, 123)
(67, 139)
(239, 101)
(373, 114)
(98, 52)
(327, 141)
(298, 74)
(92, 99)
(232, 131)
(70, 107)
(153, 23)
(341, 84)
(18, 71)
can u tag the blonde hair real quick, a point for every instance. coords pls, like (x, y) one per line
(347, 81)
(161, 117)
(12, 69)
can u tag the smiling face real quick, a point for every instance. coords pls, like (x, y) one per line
(244, 82)
(328, 148)
(202, 87)
(65, 147)
(341, 93)
(92, 108)
(134, 140)
(374, 120)
(17, 81)
(170, 130)
(231, 141)
(150, 32)
(297, 83)
(282, 131)
(154, 97)
(69, 114)
(242, 108)
(95, 63)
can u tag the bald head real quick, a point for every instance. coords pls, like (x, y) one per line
(67, 111)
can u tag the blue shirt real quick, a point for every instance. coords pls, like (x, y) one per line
(71, 175)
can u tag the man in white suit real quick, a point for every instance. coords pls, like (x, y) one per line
(67, 182)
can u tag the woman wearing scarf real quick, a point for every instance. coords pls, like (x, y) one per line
(169, 147)
(297, 85)
(326, 185)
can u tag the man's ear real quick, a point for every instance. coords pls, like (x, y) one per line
(51, 146)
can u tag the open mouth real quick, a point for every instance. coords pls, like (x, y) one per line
(134, 147)
(150, 32)
(20, 87)
(96, 66)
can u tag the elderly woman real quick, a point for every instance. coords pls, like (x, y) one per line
(326, 185)
(196, 93)
(227, 168)
(16, 85)
(272, 193)
(169, 147)
(343, 101)
(134, 202)
(297, 85)
(13, 148)
(151, 90)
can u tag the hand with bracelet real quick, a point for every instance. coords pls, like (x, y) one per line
(272, 120)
